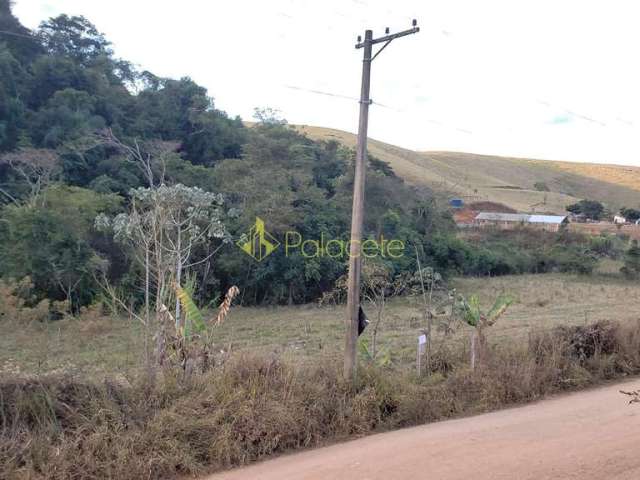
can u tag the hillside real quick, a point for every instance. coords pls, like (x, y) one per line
(503, 179)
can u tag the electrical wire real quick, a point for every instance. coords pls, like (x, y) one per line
(30, 37)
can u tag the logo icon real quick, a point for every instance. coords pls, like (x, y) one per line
(258, 243)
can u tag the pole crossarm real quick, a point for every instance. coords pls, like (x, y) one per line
(381, 49)
(388, 38)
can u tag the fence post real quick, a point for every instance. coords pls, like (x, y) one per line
(474, 341)
(422, 342)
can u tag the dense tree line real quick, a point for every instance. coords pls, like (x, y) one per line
(77, 123)
(80, 130)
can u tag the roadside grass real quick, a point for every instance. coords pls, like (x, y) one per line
(253, 406)
(97, 346)
(74, 404)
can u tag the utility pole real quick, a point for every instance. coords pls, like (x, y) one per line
(357, 213)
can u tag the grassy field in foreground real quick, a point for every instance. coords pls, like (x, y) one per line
(258, 404)
(97, 346)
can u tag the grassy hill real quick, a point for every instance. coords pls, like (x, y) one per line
(503, 179)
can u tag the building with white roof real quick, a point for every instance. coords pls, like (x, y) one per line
(510, 221)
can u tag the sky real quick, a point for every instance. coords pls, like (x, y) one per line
(531, 78)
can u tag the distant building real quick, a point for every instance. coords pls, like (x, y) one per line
(619, 220)
(509, 221)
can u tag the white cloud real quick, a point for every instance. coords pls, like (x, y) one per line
(487, 77)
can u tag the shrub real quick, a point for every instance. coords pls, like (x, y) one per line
(584, 342)
(631, 267)
(17, 303)
(541, 187)
(571, 260)
(605, 245)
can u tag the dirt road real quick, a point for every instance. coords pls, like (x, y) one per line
(588, 435)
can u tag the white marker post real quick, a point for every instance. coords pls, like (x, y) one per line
(422, 345)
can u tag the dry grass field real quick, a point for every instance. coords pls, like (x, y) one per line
(98, 346)
(502, 179)
(620, 175)
(283, 390)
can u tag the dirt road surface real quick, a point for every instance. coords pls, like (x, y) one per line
(591, 435)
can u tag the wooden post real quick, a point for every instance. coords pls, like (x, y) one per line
(357, 219)
(357, 212)
(474, 344)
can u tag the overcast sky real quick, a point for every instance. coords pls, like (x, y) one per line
(547, 79)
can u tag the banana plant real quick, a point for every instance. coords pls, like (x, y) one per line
(473, 316)
(193, 321)
(382, 357)
(193, 340)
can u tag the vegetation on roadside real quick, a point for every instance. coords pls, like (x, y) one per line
(251, 407)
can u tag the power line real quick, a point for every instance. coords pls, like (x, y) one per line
(573, 114)
(448, 33)
(337, 95)
(320, 92)
(30, 37)
(625, 121)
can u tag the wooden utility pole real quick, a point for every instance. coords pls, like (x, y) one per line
(357, 213)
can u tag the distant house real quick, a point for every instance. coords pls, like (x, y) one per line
(509, 221)
(619, 220)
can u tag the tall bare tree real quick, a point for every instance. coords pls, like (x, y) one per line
(38, 168)
(163, 226)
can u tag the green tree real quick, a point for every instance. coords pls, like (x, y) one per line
(631, 214)
(589, 208)
(13, 82)
(182, 110)
(631, 266)
(53, 243)
(164, 226)
(73, 37)
(51, 74)
(18, 39)
(268, 116)
(68, 115)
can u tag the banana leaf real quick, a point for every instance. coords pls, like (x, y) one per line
(193, 316)
(499, 307)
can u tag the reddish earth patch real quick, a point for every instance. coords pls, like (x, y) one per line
(464, 216)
